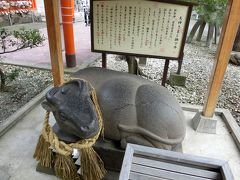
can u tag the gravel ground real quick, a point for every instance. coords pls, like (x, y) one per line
(28, 84)
(197, 64)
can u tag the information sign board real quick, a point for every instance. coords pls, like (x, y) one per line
(140, 27)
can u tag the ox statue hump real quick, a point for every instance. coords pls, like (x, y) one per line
(135, 110)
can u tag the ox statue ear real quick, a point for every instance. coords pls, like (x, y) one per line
(46, 106)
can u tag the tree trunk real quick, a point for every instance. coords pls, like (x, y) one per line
(210, 36)
(2, 80)
(132, 65)
(236, 45)
(200, 31)
(213, 33)
(194, 30)
(217, 33)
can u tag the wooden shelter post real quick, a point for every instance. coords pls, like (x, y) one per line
(54, 40)
(228, 34)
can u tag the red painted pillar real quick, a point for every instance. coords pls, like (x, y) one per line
(72, 4)
(34, 5)
(67, 8)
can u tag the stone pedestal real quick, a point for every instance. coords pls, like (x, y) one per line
(204, 124)
(177, 79)
(110, 153)
(142, 61)
(45, 170)
(235, 58)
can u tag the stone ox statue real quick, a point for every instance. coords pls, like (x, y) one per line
(135, 110)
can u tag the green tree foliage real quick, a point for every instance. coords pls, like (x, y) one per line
(211, 11)
(29, 38)
(8, 77)
(13, 74)
(4, 36)
(14, 41)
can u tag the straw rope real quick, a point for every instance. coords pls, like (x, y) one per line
(67, 149)
(92, 167)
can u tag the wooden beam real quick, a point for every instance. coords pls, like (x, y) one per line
(227, 38)
(54, 40)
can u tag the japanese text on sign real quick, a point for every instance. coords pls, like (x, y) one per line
(139, 27)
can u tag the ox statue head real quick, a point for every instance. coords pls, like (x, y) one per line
(73, 108)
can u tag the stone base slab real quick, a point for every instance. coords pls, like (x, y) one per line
(177, 79)
(204, 124)
(110, 153)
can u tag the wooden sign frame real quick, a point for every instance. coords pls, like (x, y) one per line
(184, 34)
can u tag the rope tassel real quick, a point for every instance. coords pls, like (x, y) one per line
(92, 166)
(65, 168)
(43, 153)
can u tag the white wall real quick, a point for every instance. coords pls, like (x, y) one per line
(40, 7)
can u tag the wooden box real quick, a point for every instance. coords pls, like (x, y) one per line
(145, 163)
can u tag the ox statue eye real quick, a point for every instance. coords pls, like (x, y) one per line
(64, 90)
(63, 116)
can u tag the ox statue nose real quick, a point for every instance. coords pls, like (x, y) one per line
(50, 96)
(88, 127)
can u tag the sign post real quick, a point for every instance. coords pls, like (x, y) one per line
(141, 28)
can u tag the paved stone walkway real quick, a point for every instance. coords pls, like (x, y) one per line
(18, 144)
(40, 57)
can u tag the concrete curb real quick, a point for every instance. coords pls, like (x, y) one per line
(232, 125)
(66, 69)
(18, 115)
(227, 117)
(48, 68)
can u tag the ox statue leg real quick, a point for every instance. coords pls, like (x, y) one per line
(134, 139)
